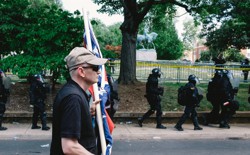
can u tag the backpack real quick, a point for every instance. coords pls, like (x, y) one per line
(182, 95)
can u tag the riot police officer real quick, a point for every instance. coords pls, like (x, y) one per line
(193, 99)
(153, 92)
(37, 94)
(214, 94)
(221, 94)
(5, 83)
(228, 104)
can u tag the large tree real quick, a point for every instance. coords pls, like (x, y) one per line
(234, 30)
(41, 34)
(41, 38)
(12, 19)
(134, 12)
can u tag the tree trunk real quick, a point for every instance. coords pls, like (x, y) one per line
(128, 58)
(129, 29)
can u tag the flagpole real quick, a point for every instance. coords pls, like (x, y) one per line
(103, 67)
(96, 92)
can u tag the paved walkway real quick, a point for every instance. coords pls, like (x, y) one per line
(133, 131)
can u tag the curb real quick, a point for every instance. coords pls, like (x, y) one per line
(168, 116)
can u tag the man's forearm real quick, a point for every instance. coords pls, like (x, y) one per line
(72, 147)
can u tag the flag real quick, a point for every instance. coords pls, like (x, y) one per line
(103, 86)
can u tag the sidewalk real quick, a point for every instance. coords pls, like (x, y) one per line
(133, 131)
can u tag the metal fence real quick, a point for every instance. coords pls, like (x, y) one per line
(178, 71)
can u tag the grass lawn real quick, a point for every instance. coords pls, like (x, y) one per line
(169, 99)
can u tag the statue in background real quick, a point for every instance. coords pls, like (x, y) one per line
(146, 40)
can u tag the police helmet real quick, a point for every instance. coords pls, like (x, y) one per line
(193, 79)
(218, 73)
(39, 77)
(156, 72)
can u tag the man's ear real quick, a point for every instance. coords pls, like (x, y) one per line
(81, 72)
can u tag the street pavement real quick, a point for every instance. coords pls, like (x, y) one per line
(130, 131)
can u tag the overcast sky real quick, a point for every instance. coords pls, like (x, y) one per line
(72, 5)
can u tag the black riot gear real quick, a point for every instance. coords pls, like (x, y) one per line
(193, 99)
(153, 92)
(193, 79)
(156, 72)
(37, 94)
(218, 74)
(221, 94)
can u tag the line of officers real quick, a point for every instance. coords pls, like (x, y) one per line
(220, 93)
(37, 93)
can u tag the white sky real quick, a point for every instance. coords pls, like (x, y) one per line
(181, 17)
(72, 5)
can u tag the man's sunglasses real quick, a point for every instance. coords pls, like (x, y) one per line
(94, 67)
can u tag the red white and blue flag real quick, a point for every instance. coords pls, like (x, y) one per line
(103, 88)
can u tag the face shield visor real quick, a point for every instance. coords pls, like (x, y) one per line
(235, 82)
(230, 75)
(160, 74)
(157, 72)
(194, 79)
(39, 77)
(197, 80)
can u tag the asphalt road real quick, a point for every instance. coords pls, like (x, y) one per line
(233, 146)
(182, 147)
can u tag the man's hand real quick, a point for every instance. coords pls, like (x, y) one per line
(93, 107)
(226, 103)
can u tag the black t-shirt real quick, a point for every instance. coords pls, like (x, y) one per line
(72, 119)
(71, 116)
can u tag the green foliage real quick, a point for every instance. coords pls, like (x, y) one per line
(168, 45)
(110, 35)
(114, 34)
(109, 54)
(46, 35)
(234, 29)
(230, 54)
(209, 12)
(12, 19)
(42, 34)
(21, 65)
(205, 56)
(233, 55)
